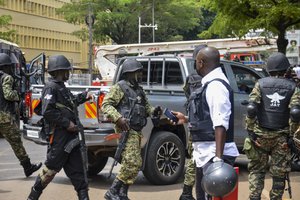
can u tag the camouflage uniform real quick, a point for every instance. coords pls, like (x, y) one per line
(272, 144)
(190, 172)
(131, 156)
(8, 126)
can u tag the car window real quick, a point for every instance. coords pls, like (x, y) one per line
(155, 72)
(245, 79)
(172, 75)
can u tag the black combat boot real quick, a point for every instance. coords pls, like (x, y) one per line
(187, 193)
(30, 168)
(124, 191)
(114, 191)
(36, 189)
(83, 195)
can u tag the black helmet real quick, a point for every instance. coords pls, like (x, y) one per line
(58, 62)
(131, 65)
(4, 60)
(277, 62)
(219, 179)
(197, 49)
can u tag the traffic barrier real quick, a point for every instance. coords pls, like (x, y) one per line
(234, 194)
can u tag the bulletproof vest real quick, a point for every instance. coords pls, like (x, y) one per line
(193, 81)
(5, 105)
(200, 122)
(132, 106)
(273, 111)
(65, 99)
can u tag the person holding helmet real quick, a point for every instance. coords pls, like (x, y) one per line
(193, 82)
(8, 125)
(210, 121)
(57, 110)
(272, 114)
(128, 98)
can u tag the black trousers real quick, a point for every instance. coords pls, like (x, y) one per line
(58, 159)
(200, 194)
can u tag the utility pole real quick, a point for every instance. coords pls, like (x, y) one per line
(90, 19)
(153, 28)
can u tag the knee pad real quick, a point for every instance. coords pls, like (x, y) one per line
(46, 176)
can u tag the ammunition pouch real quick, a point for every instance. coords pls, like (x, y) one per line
(250, 150)
(138, 118)
(71, 145)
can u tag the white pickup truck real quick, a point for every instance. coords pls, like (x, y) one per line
(164, 147)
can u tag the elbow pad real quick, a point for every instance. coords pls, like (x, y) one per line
(295, 113)
(252, 110)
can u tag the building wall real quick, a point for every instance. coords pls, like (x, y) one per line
(40, 29)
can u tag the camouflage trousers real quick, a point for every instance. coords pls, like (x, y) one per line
(10, 132)
(190, 172)
(279, 161)
(131, 159)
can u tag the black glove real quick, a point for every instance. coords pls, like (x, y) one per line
(122, 123)
(252, 136)
(156, 115)
(292, 146)
(72, 127)
(157, 112)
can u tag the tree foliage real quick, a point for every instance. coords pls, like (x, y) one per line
(237, 17)
(4, 22)
(118, 19)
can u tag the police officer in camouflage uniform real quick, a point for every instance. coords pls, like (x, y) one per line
(273, 109)
(193, 81)
(9, 98)
(60, 123)
(117, 104)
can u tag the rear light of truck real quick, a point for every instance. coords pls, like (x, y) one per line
(100, 115)
(28, 107)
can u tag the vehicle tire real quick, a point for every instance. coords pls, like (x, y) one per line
(165, 159)
(295, 162)
(96, 163)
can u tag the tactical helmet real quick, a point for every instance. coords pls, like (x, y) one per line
(219, 179)
(197, 49)
(131, 65)
(4, 60)
(277, 62)
(58, 62)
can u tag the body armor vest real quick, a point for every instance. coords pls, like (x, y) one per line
(5, 105)
(273, 111)
(65, 99)
(200, 123)
(132, 106)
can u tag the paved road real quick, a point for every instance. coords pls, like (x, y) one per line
(14, 186)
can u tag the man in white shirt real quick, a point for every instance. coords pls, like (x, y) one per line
(210, 116)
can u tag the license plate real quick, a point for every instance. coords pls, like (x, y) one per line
(33, 134)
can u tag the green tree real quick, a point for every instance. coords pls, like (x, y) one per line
(118, 19)
(237, 17)
(4, 21)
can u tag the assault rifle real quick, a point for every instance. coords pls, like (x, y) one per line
(122, 143)
(289, 188)
(81, 138)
